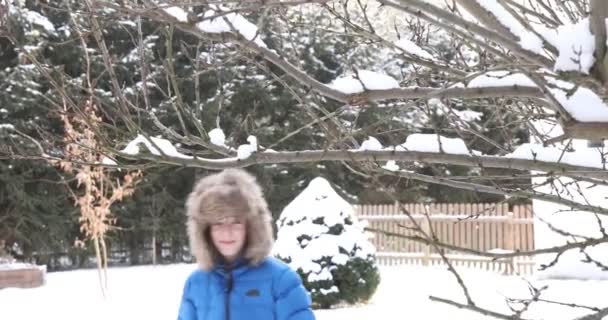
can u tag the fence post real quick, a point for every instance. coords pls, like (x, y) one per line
(425, 225)
(510, 241)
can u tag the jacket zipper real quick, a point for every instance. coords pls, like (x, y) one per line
(229, 284)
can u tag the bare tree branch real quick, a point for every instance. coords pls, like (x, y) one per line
(339, 155)
(418, 5)
(477, 309)
(495, 255)
(599, 315)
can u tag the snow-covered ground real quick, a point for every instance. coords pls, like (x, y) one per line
(154, 292)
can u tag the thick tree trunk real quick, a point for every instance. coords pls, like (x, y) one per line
(599, 13)
(154, 249)
(486, 18)
(593, 131)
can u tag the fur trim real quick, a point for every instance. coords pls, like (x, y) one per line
(232, 192)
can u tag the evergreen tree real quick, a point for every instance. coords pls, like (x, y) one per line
(320, 237)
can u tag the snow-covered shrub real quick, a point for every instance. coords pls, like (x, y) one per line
(6, 259)
(320, 237)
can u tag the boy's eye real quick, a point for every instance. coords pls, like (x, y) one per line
(228, 224)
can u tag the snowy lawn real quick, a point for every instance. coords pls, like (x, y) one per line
(154, 293)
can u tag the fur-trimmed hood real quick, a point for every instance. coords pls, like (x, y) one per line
(232, 192)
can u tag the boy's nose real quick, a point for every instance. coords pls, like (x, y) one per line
(227, 232)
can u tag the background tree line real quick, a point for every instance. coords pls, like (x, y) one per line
(38, 219)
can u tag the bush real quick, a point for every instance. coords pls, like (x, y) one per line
(321, 239)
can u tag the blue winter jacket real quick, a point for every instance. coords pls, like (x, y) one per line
(268, 291)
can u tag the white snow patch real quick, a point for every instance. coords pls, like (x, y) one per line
(422, 142)
(128, 23)
(38, 19)
(178, 13)
(7, 126)
(582, 156)
(468, 115)
(391, 165)
(68, 295)
(370, 79)
(20, 266)
(371, 144)
(464, 115)
(108, 161)
(584, 105)
(340, 259)
(576, 46)
(333, 289)
(165, 146)
(217, 137)
(321, 276)
(581, 223)
(244, 151)
(413, 49)
(527, 39)
(500, 79)
(216, 21)
(253, 142)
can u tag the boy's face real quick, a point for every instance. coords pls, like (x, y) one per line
(228, 236)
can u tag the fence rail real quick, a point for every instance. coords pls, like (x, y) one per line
(477, 226)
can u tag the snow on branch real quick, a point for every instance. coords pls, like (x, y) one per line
(218, 21)
(581, 103)
(576, 46)
(584, 105)
(413, 49)
(452, 22)
(535, 157)
(586, 157)
(364, 80)
(6, 126)
(500, 79)
(32, 17)
(177, 13)
(217, 137)
(574, 42)
(371, 144)
(156, 146)
(435, 143)
(376, 86)
(527, 39)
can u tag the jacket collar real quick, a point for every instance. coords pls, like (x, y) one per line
(237, 267)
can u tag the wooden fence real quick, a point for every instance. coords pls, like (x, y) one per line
(22, 278)
(478, 226)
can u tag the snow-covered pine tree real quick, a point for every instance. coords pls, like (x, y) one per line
(320, 237)
(35, 213)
